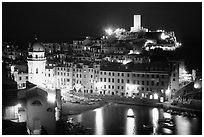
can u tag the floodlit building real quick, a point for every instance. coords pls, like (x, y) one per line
(136, 24)
(36, 64)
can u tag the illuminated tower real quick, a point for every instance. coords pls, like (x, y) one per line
(136, 23)
(36, 64)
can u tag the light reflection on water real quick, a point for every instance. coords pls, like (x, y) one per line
(155, 118)
(183, 125)
(99, 129)
(113, 120)
(130, 123)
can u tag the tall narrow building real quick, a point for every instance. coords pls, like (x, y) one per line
(36, 64)
(136, 23)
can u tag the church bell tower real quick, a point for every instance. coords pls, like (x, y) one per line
(36, 63)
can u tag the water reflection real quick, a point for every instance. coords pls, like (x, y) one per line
(155, 118)
(99, 129)
(113, 120)
(183, 125)
(79, 118)
(130, 123)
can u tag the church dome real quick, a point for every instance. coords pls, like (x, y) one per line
(36, 46)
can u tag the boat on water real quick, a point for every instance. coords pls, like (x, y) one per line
(168, 126)
(131, 116)
(148, 127)
(165, 120)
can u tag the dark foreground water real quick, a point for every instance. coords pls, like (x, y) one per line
(113, 120)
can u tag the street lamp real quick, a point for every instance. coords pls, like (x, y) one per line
(109, 31)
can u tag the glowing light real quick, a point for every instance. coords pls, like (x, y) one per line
(51, 97)
(126, 61)
(150, 97)
(164, 36)
(161, 99)
(197, 85)
(156, 96)
(109, 31)
(18, 105)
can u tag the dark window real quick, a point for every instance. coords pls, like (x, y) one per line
(121, 87)
(36, 70)
(118, 74)
(49, 110)
(152, 76)
(109, 80)
(20, 78)
(112, 87)
(118, 87)
(152, 83)
(128, 81)
(104, 79)
(143, 75)
(142, 82)
(37, 103)
(101, 79)
(109, 74)
(174, 79)
(147, 82)
(118, 80)
(112, 79)
(122, 74)
(122, 80)
(147, 76)
(128, 75)
(138, 75)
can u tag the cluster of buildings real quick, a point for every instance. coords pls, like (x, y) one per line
(106, 66)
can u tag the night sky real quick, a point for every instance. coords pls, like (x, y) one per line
(60, 22)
